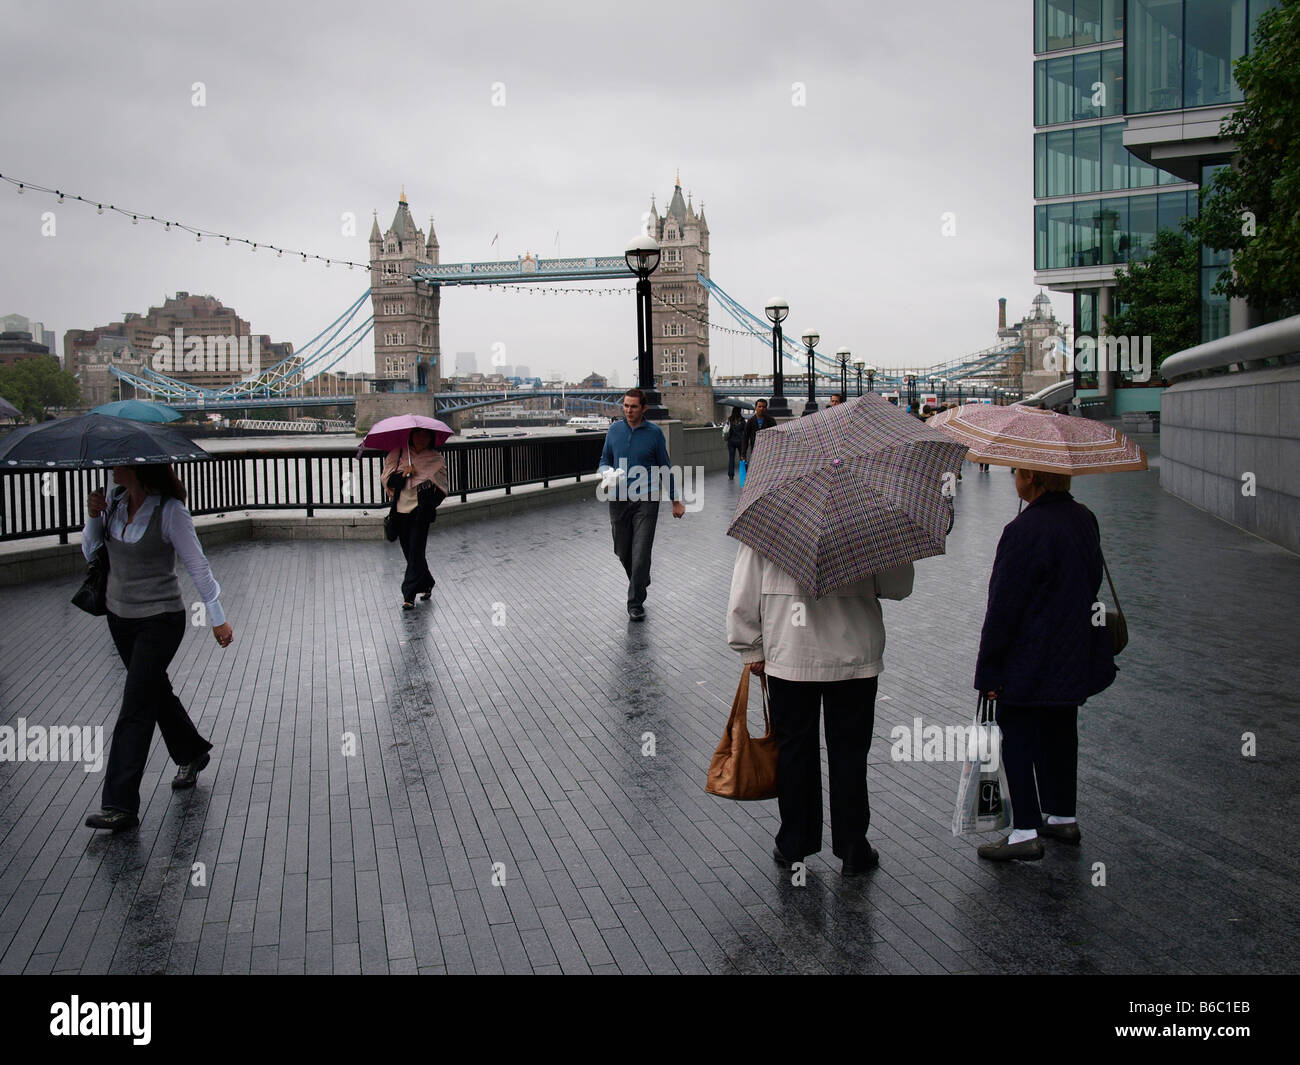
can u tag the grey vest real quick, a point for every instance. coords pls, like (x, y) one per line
(142, 577)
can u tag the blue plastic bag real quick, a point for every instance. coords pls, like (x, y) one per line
(744, 467)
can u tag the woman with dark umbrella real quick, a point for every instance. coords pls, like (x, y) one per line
(1041, 655)
(145, 528)
(405, 471)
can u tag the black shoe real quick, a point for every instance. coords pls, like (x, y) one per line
(636, 612)
(113, 820)
(189, 774)
(427, 594)
(408, 605)
(782, 860)
(1067, 833)
(1031, 850)
(861, 863)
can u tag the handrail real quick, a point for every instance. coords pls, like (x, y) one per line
(1248, 350)
(52, 503)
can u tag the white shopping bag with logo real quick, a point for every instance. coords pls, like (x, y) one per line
(983, 798)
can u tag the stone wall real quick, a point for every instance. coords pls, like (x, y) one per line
(1214, 431)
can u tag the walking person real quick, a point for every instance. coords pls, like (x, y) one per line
(633, 463)
(760, 420)
(405, 471)
(820, 656)
(144, 529)
(1041, 656)
(734, 434)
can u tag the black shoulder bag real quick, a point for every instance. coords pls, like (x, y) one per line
(92, 596)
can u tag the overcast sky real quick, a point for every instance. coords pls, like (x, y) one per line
(317, 109)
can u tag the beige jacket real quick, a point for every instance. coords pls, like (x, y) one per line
(429, 466)
(838, 637)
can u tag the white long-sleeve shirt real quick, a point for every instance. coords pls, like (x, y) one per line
(838, 637)
(177, 531)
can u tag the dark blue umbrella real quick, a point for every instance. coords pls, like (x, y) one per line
(94, 441)
(138, 410)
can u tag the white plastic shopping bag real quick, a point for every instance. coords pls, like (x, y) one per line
(983, 798)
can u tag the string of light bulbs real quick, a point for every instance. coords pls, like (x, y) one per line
(168, 225)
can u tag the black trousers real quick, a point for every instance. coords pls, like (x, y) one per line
(850, 707)
(633, 525)
(1040, 743)
(413, 535)
(147, 646)
(733, 450)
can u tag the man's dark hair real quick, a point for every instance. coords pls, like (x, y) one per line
(637, 394)
(838, 395)
(758, 401)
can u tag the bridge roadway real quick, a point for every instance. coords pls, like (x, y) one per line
(521, 743)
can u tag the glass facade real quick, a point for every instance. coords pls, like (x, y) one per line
(1179, 53)
(1071, 88)
(1214, 308)
(1102, 231)
(1072, 23)
(1089, 159)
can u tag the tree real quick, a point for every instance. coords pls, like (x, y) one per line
(35, 385)
(1249, 208)
(1159, 296)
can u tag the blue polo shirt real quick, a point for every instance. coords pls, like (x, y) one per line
(642, 448)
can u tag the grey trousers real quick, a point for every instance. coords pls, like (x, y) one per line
(633, 525)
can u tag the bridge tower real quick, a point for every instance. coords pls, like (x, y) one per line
(679, 302)
(407, 343)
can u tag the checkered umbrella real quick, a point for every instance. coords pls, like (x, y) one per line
(836, 496)
(1034, 439)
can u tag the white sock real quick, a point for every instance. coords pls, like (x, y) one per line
(1052, 819)
(1019, 835)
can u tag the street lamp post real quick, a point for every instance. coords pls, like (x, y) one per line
(858, 366)
(777, 311)
(810, 338)
(871, 378)
(843, 354)
(642, 258)
(943, 386)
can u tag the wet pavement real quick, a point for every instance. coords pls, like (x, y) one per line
(499, 814)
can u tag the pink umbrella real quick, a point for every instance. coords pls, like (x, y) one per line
(1034, 439)
(392, 433)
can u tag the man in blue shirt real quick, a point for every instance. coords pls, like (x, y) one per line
(633, 464)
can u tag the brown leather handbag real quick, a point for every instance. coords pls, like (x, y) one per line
(744, 766)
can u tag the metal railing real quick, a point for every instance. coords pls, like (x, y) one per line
(52, 503)
(1265, 346)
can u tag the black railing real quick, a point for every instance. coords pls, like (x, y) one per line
(52, 503)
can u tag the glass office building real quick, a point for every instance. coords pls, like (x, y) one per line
(1128, 99)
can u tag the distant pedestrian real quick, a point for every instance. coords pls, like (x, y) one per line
(760, 420)
(733, 432)
(633, 463)
(836, 399)
(405, 471)
(819, 655)
(1041, 656)
(145, 528)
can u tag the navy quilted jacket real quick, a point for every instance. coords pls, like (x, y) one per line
(1039, 645)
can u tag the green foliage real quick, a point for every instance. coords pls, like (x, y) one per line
(37, 385)
(1250, 208)
(1159, 296)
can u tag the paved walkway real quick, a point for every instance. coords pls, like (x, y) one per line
(520, 743)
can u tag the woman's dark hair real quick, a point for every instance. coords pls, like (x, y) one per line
(1049, 482)
(160, 478)
(410, 440)
(735, 415)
